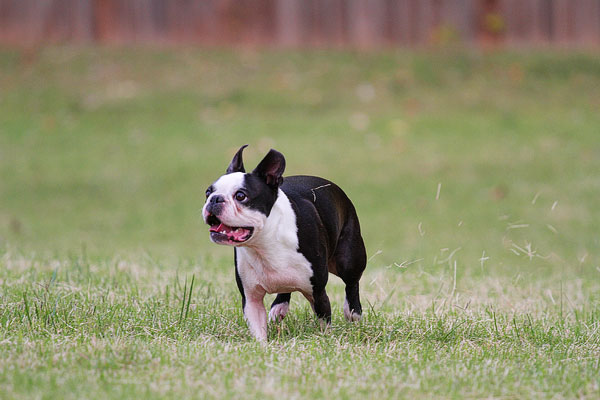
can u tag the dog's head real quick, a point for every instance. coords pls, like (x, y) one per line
(239, 203)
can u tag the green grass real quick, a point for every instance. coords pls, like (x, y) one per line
(476, 177)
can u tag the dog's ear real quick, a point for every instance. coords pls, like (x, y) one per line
(237, 164)
(271, 168)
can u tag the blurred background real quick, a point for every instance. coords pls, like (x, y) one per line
(460, 128)
(305, 23)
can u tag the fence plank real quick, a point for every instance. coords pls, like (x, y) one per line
(587, 22)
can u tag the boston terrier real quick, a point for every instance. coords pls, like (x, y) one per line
(288, 234)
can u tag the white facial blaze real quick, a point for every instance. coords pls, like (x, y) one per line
(229, 184)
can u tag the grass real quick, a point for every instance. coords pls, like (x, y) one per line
(475, 176)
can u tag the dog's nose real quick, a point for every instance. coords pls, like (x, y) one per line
(217, 199)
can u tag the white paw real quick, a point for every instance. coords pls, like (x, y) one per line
(351, 316)
(278, 312)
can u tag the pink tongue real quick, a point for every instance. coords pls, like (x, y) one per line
(238, 234)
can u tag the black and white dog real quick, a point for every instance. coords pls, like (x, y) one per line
(288, 234)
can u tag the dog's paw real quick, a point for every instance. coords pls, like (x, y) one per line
(351, 315)
(278, 311)
(324, 324)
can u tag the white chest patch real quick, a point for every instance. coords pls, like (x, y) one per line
(271, 262)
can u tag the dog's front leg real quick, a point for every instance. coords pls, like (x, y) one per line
(256, 316)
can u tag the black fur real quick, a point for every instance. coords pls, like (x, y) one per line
(237, 163)
(261, 196)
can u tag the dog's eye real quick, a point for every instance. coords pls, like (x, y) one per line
(240, 196)
(208, 192)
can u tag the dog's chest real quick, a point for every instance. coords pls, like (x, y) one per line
(277, 270)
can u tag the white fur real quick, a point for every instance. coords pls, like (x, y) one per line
(279, 311)
(256, 316)
(270, 263)
(229, 183)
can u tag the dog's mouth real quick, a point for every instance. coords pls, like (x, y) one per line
(225, 234)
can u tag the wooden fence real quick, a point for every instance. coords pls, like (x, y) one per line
(302, 23)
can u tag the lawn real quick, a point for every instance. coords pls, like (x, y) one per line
(476, 176)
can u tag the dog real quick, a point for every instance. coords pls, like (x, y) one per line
(288, 234)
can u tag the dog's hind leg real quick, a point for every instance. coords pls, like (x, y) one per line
(350, 262)
(352, 306)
